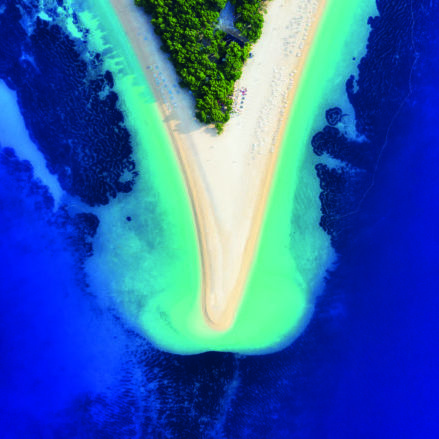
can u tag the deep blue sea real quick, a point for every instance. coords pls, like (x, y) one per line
(367, 366)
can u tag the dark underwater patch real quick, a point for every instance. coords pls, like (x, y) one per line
(377, 95)
(68, 106)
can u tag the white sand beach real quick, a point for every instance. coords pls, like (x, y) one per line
(229, 176)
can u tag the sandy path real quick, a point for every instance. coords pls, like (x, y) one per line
(229, 176)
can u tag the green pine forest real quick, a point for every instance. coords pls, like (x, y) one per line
(206, 63)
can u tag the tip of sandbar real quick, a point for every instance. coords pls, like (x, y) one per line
(219, 319)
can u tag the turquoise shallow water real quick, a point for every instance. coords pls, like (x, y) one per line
(153, 278)
(147, 268)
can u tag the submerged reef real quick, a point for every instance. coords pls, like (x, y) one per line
(333, 116)
(68, 106)
(377, 94)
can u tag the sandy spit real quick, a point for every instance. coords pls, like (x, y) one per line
(228, 177)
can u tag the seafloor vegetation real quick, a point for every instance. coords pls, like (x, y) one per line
(207, 59)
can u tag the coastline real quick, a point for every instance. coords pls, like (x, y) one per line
(227, 243)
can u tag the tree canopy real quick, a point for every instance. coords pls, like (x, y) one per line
(206, 63)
